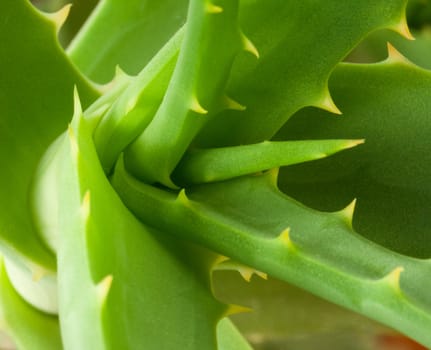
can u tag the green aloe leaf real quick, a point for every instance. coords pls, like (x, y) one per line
(30, 328)
(282, 81)
(216, 164)
(250, 220)
(108, 262)
(136, 29)
(390, 174)
(137, 104)
(212, 39)
(35, 97)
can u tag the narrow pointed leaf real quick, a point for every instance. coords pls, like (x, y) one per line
(216, 164)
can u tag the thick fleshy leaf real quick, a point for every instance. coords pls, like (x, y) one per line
(36, 101)
(216, 164)
(390, 174)
(196, 92)
(250, 220)
(122, 284)
(29, 328)
(300, 43)
(126, 33)
(137, 104)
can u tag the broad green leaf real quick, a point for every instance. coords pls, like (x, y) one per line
(122, 284)
(126, 33)
(388, 104)
(30, 328)
(250, 220)
(35, 96)
(300, 43)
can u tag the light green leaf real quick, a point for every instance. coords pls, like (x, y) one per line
(122, 284)
(30, 328)
(216, 164)
(35, 97)
(250, 220)
(126, 33)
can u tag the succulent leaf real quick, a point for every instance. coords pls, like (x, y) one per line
(246, 219)
(194, 93)
(137, 30)
(35, 70)
(164, 177)
(273, 95)
(134, 109)
(108, 261)
(216, 164)
(389, 174)
(30, 328)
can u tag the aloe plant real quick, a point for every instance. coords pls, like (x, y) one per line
(173, 138)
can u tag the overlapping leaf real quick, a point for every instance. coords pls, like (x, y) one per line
(389, 105)
(300, 43)
(36, 85)
(122, 284)
(30, 328)
(249, 220)
(126, 33)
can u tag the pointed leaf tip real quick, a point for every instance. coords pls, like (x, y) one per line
(182, 198)
(249, 46)
(395, 56)
(393, 278)
(234, 309)
(60, 16)
(213, 9)
(347, 213)
(219, 260)
(196, 107)
(402, 28)
(103, 288)
(247, 272)
(327, 103)
(272, 176)
(354, 143)
(285, 239)
(230, 103)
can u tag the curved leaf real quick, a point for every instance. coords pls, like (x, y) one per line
(136, 29)
(250, 220)
(30, 328)
(300, 43)
(122, 284)
(35, 97)
(216, 164)
(389, 174)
